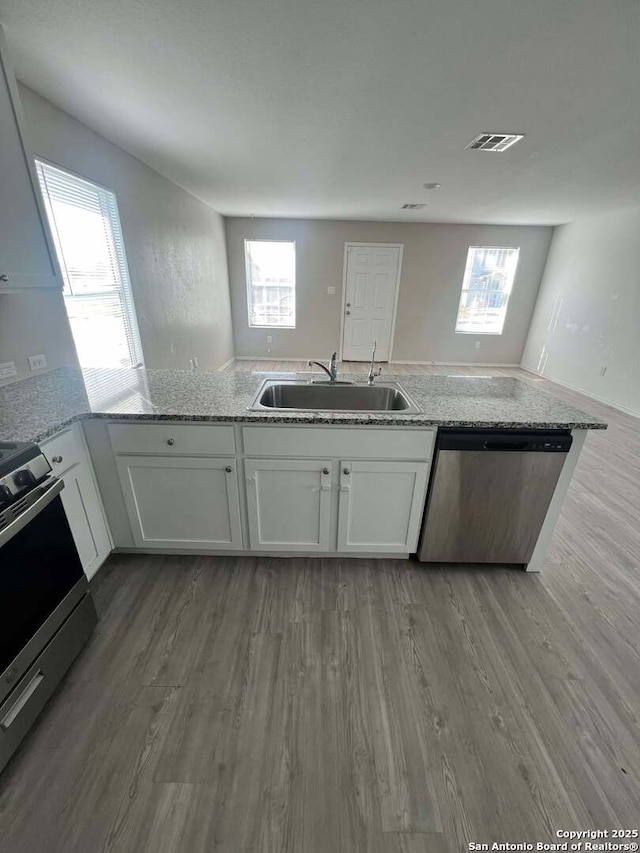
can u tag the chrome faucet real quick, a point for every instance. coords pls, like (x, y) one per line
(332, 370)
(372, 372)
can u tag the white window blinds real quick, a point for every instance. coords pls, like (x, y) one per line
(271, 282)
(486, 287)
(86, 230)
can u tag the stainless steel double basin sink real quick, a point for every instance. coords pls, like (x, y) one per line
(298, 395)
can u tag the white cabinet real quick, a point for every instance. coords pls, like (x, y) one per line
(86, 520)
(380, 506)
(26, 256)
(288, 504)
(69, 459)
(221, 487)
(179, 503)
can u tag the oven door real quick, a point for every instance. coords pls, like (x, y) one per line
(41, 578)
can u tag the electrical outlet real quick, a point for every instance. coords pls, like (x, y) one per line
(37, 362)
(269, 339)
(7, 369)
(477, 344)
(193, 363)
(331, 291)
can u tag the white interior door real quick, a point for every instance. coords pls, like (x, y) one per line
(372, 277)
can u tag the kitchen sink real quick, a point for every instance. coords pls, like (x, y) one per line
(275, 394)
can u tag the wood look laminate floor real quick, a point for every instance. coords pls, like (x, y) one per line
(303, 705)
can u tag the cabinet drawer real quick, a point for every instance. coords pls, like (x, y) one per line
(339, 442)
(171, 438)
(63, 451)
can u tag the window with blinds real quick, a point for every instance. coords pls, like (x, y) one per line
(271, 282)
(486, 287)
(86, 231)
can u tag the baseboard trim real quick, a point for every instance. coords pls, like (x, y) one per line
(577, 389)
(458, 363)
(226, 364)
(272, 358)
(393, 361)
(285, 555)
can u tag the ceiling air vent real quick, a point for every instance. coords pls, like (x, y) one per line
(494, 141)
(412, 206)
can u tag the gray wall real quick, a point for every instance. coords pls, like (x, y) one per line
(175, 248)
(433, 267)
(588, 312)
(32, 323)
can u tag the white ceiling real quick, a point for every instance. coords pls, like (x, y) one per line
(344, 108)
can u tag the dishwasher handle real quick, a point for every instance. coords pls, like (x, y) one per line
(505, 441)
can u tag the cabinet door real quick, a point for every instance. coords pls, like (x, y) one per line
(86, 519)
(288, 502)
(26, 257)
(181, 503)
(381, 506)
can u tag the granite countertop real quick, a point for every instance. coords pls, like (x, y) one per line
(35, 408)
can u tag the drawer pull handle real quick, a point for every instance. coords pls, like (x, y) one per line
(171, 442)
(56, 459)
(26, 694)
(228, 469)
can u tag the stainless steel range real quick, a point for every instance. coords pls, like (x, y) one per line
(46, 610)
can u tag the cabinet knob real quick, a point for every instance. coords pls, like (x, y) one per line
(4, 277)
(346, 471)
(325, 470)
(171, 442)
(347, 313)
(56, 459)
(228, 469)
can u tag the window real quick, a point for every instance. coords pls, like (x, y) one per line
(486, 287)
(271, 282)
(86, 231)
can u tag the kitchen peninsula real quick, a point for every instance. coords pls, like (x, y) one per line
(179, 463)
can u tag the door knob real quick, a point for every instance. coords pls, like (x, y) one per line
(171, 442)
(325, 470)
(348, 305)
(228, 469)
(347, 312)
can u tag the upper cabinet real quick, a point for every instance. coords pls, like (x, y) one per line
(26, 255)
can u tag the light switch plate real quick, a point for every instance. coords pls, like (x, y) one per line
(37, 362)
(7, 369)
(331, 291)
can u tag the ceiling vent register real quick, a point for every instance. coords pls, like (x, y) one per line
(494, 141)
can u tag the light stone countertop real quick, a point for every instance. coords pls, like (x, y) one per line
(34, 409)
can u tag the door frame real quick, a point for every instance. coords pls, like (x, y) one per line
(350, 244)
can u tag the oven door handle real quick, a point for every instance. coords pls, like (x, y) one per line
(31, 512)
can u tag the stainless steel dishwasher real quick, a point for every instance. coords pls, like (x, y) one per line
(489, 494)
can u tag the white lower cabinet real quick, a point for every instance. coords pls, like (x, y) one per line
(86, 520)
(289, 504)
(290, 488)
(68, 457)
(182, 502)
(380, 506)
